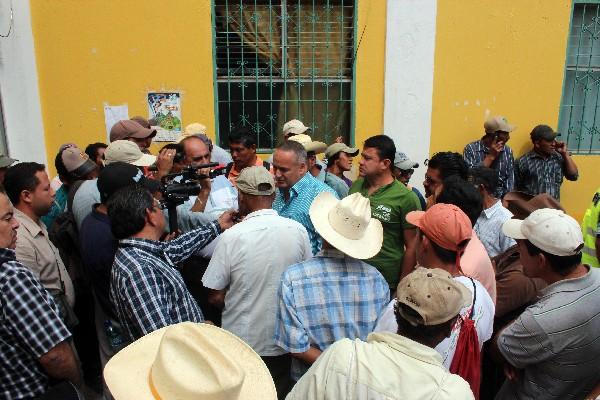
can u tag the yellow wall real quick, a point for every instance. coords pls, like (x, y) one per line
(108, 51)
(503, 58)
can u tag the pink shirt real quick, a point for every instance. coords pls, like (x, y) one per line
(476, 263)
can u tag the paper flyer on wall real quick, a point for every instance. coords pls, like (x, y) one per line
(165, 109)
(114, 114)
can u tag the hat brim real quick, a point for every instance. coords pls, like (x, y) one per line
(408, 164)
(7, 162)
(127, 373)
(144, 161)
(316, 147)
(84, 169)
(512, 228)
(366, 247)
(297, 131)
(415, 217)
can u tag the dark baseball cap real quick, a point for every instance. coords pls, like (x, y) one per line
(542, 132)
(118, 175)
(127, 128)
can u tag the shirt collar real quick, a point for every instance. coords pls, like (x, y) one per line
(489, 212)
(150, 246)
(332, 253)
(8, 254)
(29, 224)
(259, 213)
(407, 346)
(299, 186)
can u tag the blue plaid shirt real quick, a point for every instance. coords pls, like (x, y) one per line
(327, 298)
(30, 326)
(475, 153)
(536, 174)
(147, 290)
(302, 195)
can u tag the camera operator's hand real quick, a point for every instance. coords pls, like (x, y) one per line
(227, 219)
(164, 162)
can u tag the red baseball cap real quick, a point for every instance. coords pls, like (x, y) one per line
(445, 224)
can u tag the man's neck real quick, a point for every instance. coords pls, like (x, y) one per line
(541, 154)
(489, 201)
(335, 170)
(377, 181)
(434, 262)
(147, 233)
(249, 164)
(101, 208)
(577, 272)
(29, 212)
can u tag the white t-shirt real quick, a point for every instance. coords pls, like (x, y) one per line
(483, 317)
(248, 261)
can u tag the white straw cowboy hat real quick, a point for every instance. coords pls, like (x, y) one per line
(309, 144)
(347, 224)
(189, 361)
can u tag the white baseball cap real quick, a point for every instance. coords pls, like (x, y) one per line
(550, 230)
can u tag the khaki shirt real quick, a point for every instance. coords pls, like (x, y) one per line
(36, 251)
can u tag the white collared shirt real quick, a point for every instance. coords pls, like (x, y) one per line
(489, 229)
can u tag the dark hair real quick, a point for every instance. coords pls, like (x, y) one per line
(449, 163)
(485, 176)
(21, 177)
(331, 160)
(425, 332)
(462, 194)
(127, 210)
(562, 265)
(244, 136)
(296, 148)
(386, 149)
(92, 150)
(61, 170)
(179, 154)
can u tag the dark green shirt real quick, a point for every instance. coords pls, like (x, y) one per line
(389, 204)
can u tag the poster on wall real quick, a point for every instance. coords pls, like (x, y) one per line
(165, 109)
(112, 115)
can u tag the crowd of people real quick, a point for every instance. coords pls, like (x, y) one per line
(206, 273)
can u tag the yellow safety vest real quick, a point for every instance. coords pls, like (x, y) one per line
(589, 227)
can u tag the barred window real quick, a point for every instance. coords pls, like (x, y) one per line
(579, 120)
(278, 60)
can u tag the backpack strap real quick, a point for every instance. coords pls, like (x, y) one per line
(474, 298)
(267, 165)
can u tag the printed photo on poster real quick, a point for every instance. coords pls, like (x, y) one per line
(165, 109)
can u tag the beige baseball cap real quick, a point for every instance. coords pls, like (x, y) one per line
(309, 144)
(294, 127)
(127, 128)
(497, 124)
(129, 152)
(76, 162)
(256, 181)
(340, 147)
(433, 294)
(548, 229)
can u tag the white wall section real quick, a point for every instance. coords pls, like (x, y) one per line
(19, 84)
(409, 67)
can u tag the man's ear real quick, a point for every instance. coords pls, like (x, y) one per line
(151, 216)
(26, 197)
(387, 163)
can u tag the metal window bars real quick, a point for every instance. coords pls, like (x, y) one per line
(278, 60)
(579, 118)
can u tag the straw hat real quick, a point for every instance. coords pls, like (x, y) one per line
(309, 145)
(189, 361)
(195, 128)
(347, 224)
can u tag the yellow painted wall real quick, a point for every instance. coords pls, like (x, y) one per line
(503, 58)
(108, 51)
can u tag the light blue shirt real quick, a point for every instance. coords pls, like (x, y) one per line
(302, 195)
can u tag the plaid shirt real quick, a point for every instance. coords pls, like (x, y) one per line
(474, 154)
(302, 195)
(536, 174)
(327, 298)
(30, 326)
(147, 290)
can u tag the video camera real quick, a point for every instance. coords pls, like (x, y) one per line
(178, 187)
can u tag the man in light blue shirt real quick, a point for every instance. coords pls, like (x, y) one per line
(296, 188)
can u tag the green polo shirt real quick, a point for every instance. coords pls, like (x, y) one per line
(390, 204)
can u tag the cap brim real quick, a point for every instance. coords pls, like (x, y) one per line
(84, 169)
(512, 228)
(144, 161)
(415, 217)
(143, 134)
(7, 162)
(127, 372)
(408, 164)
(366, 247)
(316, 147)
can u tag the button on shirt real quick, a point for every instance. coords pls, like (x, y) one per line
(385, 367)
(36, 251)
(296, 207)
(249, 261)
(536, 174)
(325, 299)
(474, 154)
(147, 290)
(489, 229)
(30, 326)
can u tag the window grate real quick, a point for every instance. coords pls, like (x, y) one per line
(579, 113)
(277, 60)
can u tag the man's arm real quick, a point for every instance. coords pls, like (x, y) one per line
(410, 253)
(308, 357)
(60, 363)
(570, 168)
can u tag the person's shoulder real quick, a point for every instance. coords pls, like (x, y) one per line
(302, 270)
(356, 185)
(11, 271)
(472, 145)
(454, 388)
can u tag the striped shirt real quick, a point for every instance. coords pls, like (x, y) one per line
(296, 207)
(147, 290)
(325, 299)
(30, 326)
(474, 154)
(489, 229)
(556, 342)
(536, 174)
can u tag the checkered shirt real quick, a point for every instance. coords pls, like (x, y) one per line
(536, 174)
(30, 326)
(327, 298)
(302, 195)
(147, 290)
(474, 154)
